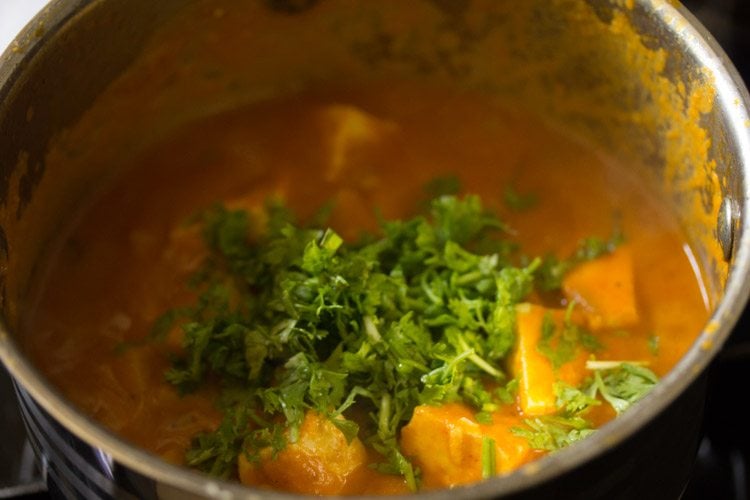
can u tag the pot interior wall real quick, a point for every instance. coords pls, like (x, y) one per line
(118, 76)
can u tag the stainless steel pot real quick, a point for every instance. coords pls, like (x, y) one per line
(89, 83)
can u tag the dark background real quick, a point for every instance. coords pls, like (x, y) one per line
(729, 22)
(723, 462)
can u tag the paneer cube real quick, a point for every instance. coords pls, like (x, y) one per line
(319, 462)
(445, 442)
(534, 371)
(605, 290)
(349, 128)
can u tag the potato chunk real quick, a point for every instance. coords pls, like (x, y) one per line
(604, 288)
(445, 442)
(535, 372)
(319, 462)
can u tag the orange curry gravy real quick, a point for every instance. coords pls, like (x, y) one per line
(125, 262)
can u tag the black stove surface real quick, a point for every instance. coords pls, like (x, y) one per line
(722, 467)
(19, 475)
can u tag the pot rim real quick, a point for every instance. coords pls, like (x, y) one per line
(732, 96)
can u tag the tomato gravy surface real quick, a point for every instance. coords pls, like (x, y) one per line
(370, 151)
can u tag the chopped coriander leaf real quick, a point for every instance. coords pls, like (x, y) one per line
(519, 202)
(624, 385)
(507, 394)
(294, 319)
(653, 344)
(561, 345)
(489, 468)
(484, 417)
(460, 221)
(555, 345)
(574, 401)
(552, 269)
(441, 186)
(551, 433)
(163, 324)
(589, 341)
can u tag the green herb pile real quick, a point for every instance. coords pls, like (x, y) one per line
(293, 319)
(620, 384)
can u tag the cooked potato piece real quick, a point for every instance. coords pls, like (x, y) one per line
(318, 463)
(604, 288)
(445, 442)
(535, 372)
